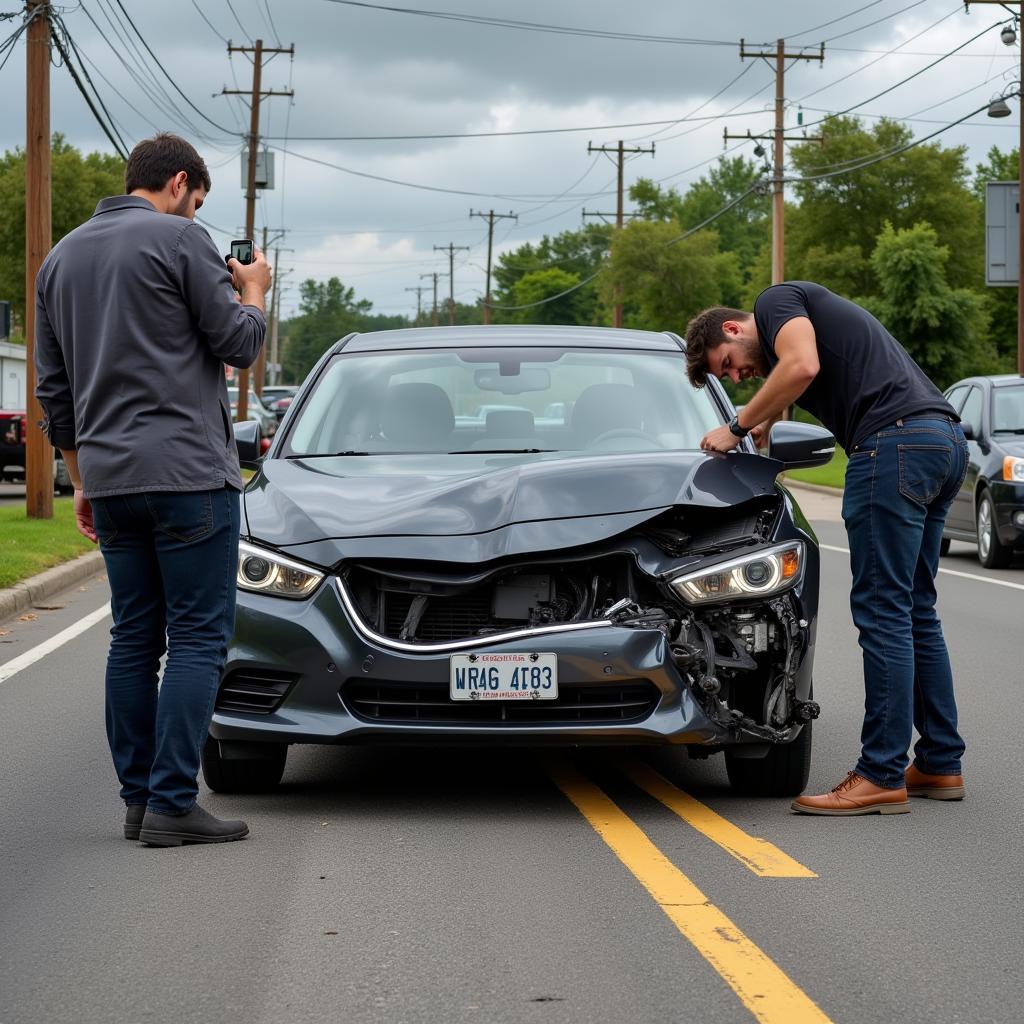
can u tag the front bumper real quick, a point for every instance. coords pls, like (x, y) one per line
(337, 684)
(1008, 501)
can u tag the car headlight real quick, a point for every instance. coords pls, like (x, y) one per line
(758, 574)
(1013, 469)
(266, 572)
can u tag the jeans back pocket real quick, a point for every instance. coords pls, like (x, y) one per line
(924, 469)
(184, 516)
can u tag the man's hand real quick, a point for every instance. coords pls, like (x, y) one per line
(721, 439)
(83, 516)
(252, 281)
(761, 431)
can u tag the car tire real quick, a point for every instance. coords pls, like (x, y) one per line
(243, 775)
(944, 546)
(783, 771)
(992, 553)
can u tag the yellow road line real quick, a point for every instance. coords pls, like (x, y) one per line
(763, 858)
(763, 988)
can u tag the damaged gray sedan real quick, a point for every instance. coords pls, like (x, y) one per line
(510, 535)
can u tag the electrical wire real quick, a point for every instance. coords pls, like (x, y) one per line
(877, 21)
(825, 24)
(167, 74)
(533, 26)
(245, 31)
(199, 10)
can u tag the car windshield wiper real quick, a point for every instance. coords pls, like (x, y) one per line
(1008, 430)
(338, 455)
(503, 451)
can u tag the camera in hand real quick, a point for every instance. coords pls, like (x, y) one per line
(242, 249)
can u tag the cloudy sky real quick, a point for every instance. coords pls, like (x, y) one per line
(360, 70)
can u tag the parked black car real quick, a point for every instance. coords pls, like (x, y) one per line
(413, 573)
(989, 510)
(13, 425)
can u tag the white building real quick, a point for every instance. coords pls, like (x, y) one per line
(12, 376)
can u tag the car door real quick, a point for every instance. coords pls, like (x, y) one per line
(970, 414)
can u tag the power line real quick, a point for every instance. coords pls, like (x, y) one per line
(825, 24)
(877, 21)
(533, 26)
(245, 31)
(199, 10)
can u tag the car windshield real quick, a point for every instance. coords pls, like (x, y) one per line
(502, 400)
(1008, 409)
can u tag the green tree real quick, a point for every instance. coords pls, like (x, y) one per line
(667, 281)
(327, 311)
(943, 328)
(577, 253)
(79, 183)
(542, 286)
(997, 166)
(845, 214)
(744, 230)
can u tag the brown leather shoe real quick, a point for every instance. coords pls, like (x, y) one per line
(854, 795)
(935, 787)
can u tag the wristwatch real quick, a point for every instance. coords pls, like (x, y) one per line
(737, 430)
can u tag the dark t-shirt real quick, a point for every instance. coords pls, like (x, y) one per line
(866, 380)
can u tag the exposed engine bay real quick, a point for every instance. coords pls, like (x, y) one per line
(739, 658)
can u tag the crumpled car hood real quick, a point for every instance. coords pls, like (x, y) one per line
(468, 508)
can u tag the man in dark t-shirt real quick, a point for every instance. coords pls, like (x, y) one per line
(907, 459)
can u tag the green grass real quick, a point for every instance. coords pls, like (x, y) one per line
(28, 546)
(831, 474)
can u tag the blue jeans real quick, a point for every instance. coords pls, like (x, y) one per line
(900, 483)
(171, 560)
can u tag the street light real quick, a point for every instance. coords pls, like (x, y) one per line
(759, 150)
(1008, 35)
(998, 108)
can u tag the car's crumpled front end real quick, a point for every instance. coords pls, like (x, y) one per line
(690, 620)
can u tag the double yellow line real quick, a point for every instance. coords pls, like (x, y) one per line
(763, 987)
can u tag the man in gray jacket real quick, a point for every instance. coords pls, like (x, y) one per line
(136, 315)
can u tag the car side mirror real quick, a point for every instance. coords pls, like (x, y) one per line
(969, 431)
(800, 445)
(247, 440)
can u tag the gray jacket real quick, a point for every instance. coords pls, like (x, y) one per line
(135, 317)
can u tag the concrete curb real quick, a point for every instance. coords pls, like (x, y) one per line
(834, 492)
(37, 588)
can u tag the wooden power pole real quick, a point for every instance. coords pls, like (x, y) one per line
(621, 151)
(451, 248)
(778, 207)
(433, 309)
(38, 239)
(258, 51)
(419, 290)
(491, 217)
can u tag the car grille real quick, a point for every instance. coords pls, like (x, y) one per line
(255, 691)
(577, 703)
(446, 618)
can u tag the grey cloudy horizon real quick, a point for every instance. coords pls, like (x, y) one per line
(364, 72)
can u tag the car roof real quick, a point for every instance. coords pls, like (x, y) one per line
(509, 335)
(997, 380)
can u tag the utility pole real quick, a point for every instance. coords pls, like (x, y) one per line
(38, 239)
(451, 248)
(1020, 179)
(621, 152)
(491, 217)
(433, 310)
(419, 290)
(275, 315)
(261, 359)
(256, 95)
(780, 140)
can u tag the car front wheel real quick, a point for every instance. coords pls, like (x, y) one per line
(783, 771)
(992, 553)
(257, 774)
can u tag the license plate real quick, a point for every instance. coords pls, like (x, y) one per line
(504, 676)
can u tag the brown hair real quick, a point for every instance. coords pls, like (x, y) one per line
(703, 333)
(153, 162)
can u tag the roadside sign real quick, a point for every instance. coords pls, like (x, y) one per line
(1002, 225)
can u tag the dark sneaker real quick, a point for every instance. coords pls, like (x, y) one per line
(133, 815)
(198, 826)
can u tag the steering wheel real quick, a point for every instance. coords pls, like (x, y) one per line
(622, 433)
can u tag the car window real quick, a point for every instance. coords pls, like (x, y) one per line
(956, 395)
(465, 400)
(1008, 409)
(971, 412)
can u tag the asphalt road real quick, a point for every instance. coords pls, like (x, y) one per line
(467, 886)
